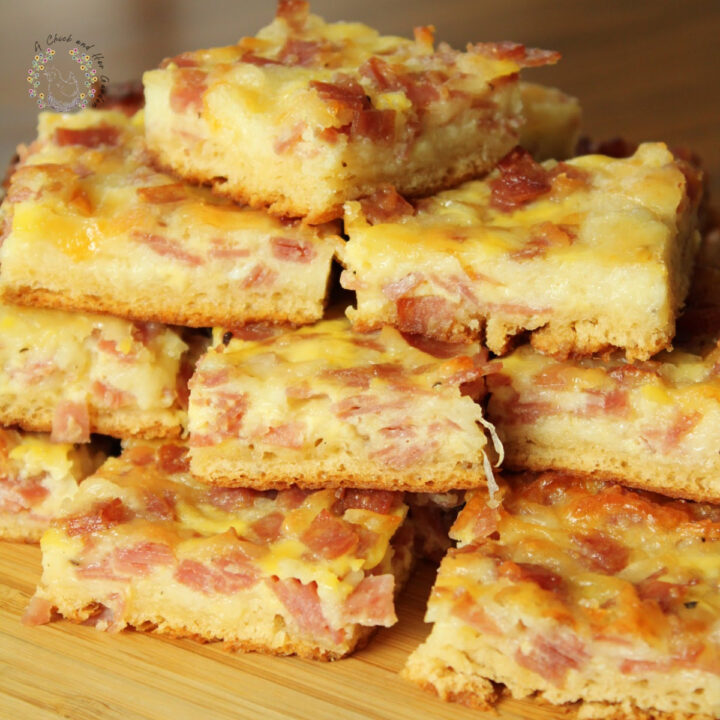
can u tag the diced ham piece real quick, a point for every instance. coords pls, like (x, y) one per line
(167, 247)
(146, 332)
(424, 315)
(303, 604)
(140, 455)
(521, 181)
(665, 594)
(188, 89)
(602, 553)
(551, 658)
(523, 56)
(32, 490)
(378, 501)
(329, 537)
(530, 572)
(228, 575)
(288, 435)
(291, 498)
(103, 515)
(173, 459)
(304, 53)
(38, 612)
(371, 602)
(231, 499)
(230, 411)
(473, 614)
(159, 506)
(71, 423)
(376, 125)
(160, 194)
(421, 88)
(385, 205)
(91, 137)
(138, 560)
(401, 456)
(269, 527)
(290, 250)
(259, 276)
(111, 397)
(400, 288)
(221, 249)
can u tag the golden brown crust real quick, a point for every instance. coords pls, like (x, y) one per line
(219, 469)
(415, 185)
(120, 423)
(205, 315)
(664, 478)
(361, 636)
(560, 340)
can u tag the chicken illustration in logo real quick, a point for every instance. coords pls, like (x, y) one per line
(73, 89)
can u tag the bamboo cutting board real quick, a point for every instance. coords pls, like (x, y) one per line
(68, 671)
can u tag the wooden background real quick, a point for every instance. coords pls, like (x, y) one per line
(642, 69)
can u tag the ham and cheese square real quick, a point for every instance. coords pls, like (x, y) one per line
(579, 591)
(72, 374)
(652, 424)
(308, 114)
(91, 226)
(36, 477)
(323, 406)
(291, 572)
(587, 255)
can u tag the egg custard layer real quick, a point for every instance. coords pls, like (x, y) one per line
(587, 255)
(323, 406)
(291, 572)
(309, 114)
(91, 225)
(579, 591)
(73, 374)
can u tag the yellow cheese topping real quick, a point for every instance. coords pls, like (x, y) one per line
(329, 537)
(594, 207)
(262, 73)
(584, 564)
(88, 188)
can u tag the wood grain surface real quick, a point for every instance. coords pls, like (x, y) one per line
(62, 670)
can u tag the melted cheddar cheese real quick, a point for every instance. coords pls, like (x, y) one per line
(324, 537)
(617, 211)
(323, 390)
(90, 198)
(267, 73)
(588, 568)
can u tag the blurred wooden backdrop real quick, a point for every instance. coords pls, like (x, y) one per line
(644, 69)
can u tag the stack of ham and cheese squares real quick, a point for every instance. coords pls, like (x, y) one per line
(165, 275)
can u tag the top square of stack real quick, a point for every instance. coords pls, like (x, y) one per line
(307, 115)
